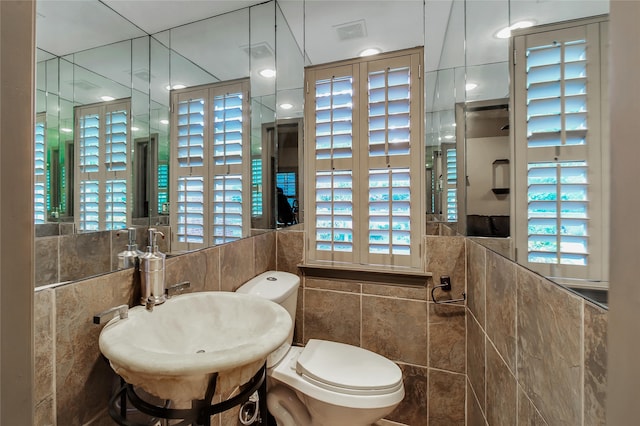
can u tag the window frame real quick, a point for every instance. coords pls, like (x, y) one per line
(360, 163)
(594, 152)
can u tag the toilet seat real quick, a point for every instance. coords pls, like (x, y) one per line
(347, 369)
(341, 375)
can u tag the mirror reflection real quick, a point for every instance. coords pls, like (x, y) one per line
(473, 182)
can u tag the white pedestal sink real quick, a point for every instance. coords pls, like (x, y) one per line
(173, 351)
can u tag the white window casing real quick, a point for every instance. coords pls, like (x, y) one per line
(559, 139)
(365, 151)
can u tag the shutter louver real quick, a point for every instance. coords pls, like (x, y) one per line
(39, 202)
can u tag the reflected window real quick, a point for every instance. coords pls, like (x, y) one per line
(210, 165)
(103, 183)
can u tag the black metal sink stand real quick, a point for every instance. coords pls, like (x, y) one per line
(201, 410)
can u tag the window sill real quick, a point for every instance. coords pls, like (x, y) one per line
(380, 274)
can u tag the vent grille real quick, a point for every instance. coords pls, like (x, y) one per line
(351, 30)
(259, 50)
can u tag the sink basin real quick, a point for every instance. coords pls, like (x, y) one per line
(172, 351)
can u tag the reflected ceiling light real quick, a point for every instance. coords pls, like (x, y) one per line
(164, 121)
(448, 137)
(470, 86)
(286, 106)
(65, 130)
(267, 73)
(506, 32)
(175, 86)
(134, 129)
(370, 51)
(107, 98)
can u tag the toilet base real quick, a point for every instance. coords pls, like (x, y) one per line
(293, 408)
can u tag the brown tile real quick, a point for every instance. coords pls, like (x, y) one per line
(298, 326)
(474, 412)
(527, 413)
(401, 291)
(237, 264)
(446, 256)
(433, 228)
(501, 306)
(501, 390)
(44, 349)
(329, 284)
(264, 246)
(476, 359)
(46, 260)
(413, 408)
(83, 376)
(84, 255)
(476, 283)
(212, 276)
(395, 328)
(190, 267)
(595, 364)
(332, 315)
(549, 348)
(447, 334)
(43, 413)
(446, 399)
(289, 250)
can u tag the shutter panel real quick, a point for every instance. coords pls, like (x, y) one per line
(40, 194)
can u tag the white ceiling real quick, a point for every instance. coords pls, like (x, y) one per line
(445, 27)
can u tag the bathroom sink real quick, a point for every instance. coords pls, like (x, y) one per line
(173, 351)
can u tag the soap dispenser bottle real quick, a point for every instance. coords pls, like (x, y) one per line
(152, 271)
(129, 257)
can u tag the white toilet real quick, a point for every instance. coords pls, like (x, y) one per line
(324, 383)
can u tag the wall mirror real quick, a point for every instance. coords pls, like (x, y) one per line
(471, 133)
(467, 85)
(125, 53)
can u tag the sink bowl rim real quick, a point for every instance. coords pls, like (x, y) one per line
(152, 362)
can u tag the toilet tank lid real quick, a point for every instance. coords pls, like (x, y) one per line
(272, 285)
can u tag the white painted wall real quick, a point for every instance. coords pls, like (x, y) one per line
(481, 153)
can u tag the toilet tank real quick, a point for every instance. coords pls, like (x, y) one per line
(279, 287)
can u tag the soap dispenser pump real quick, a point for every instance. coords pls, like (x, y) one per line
(129, 257)
(152, 271)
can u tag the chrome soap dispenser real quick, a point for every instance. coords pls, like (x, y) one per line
(152, 271)
(129, 257)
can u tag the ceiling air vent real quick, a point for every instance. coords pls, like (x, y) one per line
(82, 84)
(351, 30)
(259, 50)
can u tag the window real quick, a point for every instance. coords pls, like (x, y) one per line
(365, 121)
(103, 183)
(210, 160)
(39, 204)
(560, 136)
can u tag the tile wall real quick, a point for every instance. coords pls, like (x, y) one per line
(536, 353)
(499, 360)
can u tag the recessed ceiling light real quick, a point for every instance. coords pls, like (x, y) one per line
(267, 73)
(65, 130)
(506, 32)
(107, 98)
(286, 106)
(134, 129)
(164, 121)
(448, 137)
(470, 86)
(175, 86)
(370, 51)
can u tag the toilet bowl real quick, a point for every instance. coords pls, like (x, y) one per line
(323, 383)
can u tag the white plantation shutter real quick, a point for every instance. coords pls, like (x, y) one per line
(364, 120)
(558, 151)
(40, 171)
(450, 180)
(211, 160)
(103, 187)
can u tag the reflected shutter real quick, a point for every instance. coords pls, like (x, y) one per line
(40, 193)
